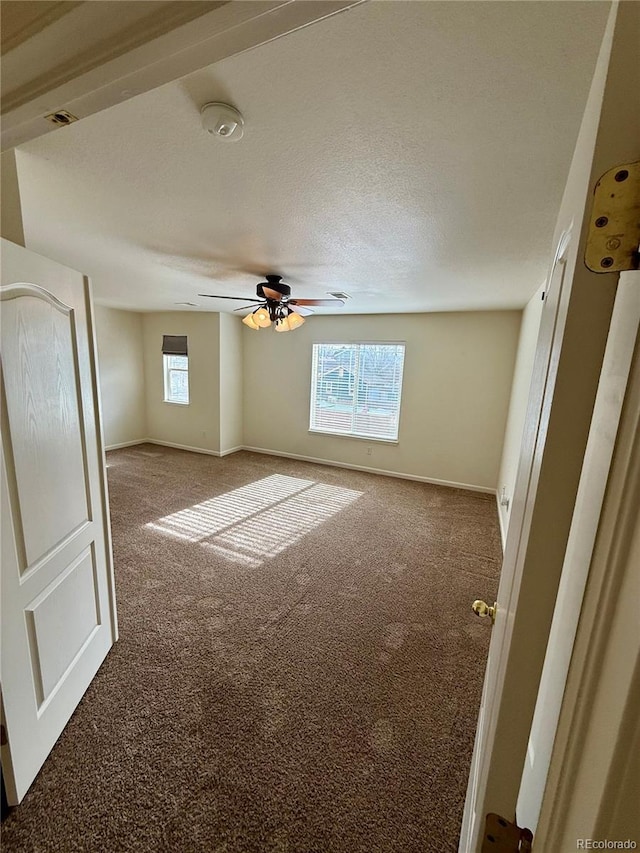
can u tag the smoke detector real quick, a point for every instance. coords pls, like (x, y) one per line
(222, 120)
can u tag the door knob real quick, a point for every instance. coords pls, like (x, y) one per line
(482, 609)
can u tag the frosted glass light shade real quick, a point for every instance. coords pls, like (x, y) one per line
(282, 325)
(250, 322)
(261, 317)
(295, 320)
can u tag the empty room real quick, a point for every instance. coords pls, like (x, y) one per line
(319, 416)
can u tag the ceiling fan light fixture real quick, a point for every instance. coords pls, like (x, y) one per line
(295, 320)
(261, 318)
(276, 306)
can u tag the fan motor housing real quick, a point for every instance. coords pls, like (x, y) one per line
(273, 282)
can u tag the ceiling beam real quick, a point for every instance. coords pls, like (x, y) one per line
(149, 57)
(22, 21)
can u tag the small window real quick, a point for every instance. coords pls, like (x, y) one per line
(176, 378)
(356, 389)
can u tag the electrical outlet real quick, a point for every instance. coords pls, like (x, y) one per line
(369, 451)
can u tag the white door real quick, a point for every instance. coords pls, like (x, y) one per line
(524, 496)
(58, 604)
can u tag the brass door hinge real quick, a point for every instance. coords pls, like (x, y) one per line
(614, 227)
(500, 836)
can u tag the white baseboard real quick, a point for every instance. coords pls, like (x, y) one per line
(177, 446)
(415, 477)
(501, 519)
(183, 447)
(367, 470)
(126, 444)
(232, 450)
(194, 449)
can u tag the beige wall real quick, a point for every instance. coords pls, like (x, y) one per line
(198, 423)
(231, 382)
(457, 380)
(455, 393)
(518, 404)
(11, 212)
(120, 364)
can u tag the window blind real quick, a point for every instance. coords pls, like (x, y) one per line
(356, 389)
(174, 344)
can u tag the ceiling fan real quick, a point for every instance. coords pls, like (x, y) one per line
(275, 305)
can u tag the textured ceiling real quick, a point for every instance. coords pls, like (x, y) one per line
(412, 154)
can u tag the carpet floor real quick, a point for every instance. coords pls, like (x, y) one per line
(298, 671)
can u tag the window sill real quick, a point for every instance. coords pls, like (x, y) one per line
(368, 438)
(175, 403)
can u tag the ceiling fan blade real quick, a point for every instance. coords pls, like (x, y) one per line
(304, 312)
(271, 294)
(215, 296)
(323, 303)
(244, 307)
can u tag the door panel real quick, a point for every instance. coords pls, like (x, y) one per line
(60, 623)
(43, 400)
(58, 607)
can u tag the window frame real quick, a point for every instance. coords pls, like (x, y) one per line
(166, 371)
(314, 390)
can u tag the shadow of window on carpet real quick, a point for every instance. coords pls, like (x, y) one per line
(245, 525)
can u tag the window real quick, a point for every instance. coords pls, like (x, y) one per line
(356, 389)
(176, 369)
(176, 378)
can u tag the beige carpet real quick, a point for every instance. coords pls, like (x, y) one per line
(299, 669)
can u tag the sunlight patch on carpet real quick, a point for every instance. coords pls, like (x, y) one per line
(259, 520)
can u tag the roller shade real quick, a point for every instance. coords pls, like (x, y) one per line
(174, 344)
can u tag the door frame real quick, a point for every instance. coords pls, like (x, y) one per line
(550, 339)
(592, 767)
(102, 455)
(614, 395)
